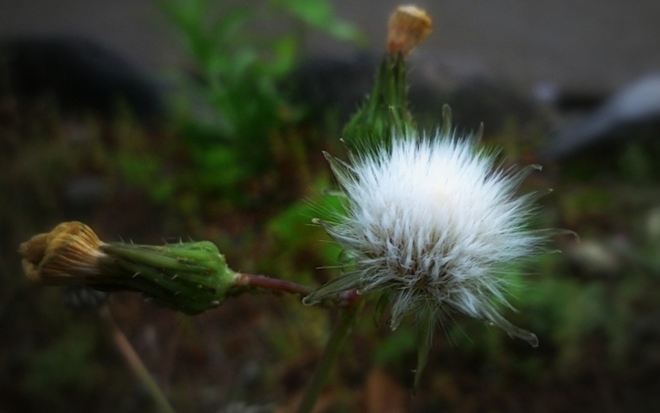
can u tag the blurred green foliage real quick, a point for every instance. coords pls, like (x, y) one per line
(233, 110)
(64, 366)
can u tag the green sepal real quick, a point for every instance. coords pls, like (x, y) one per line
(425, 342)
(190, 277)
(335, 286)
(382, 306)
(342, 171)
(494, 317)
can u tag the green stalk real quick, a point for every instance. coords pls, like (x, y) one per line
(333, 348)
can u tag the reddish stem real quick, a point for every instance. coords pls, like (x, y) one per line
(278, 286)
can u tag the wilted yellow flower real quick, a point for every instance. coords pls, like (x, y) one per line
(408, 27)
(68, 254)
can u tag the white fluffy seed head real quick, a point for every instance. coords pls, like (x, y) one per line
(435, 223)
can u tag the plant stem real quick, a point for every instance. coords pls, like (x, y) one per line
(271, 284)
(135, 363)
(277, 286)
(332, 350)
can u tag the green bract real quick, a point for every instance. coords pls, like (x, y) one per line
(190, 277)
(384, 113)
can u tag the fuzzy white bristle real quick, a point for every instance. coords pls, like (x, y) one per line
(434, 221)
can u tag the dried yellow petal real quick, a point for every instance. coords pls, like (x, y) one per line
(408, 27)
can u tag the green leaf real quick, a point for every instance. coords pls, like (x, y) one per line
(316, 13)
(285, 50)
(229, 26)
(320, 15)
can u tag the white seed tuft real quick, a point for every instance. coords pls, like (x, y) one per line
(434, 222)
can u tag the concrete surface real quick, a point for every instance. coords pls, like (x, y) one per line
(591, 46)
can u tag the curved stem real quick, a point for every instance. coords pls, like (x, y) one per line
(332, 350)
(135, 363)
(259, 282)
(271, 284)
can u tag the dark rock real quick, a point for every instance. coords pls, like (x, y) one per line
(79, 74)
(631, 114)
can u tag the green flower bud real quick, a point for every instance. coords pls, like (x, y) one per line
(385, 115)
(190, 277)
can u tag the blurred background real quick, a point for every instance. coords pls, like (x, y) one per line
(205, 119)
